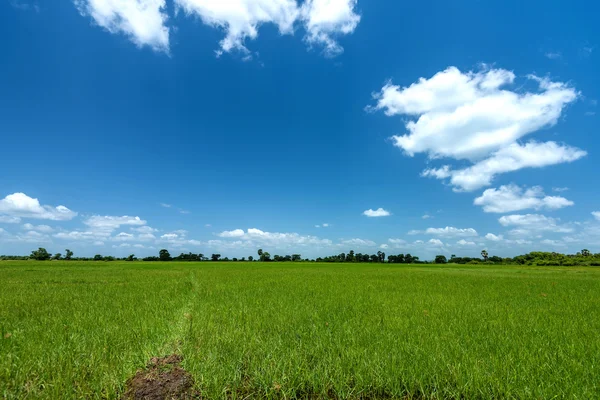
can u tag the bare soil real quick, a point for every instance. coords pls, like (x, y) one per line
(163, 379)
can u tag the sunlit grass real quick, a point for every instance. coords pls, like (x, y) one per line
(79, 330)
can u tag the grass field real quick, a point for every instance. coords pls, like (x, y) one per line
(253, 330)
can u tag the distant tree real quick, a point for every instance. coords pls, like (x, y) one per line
(265, 256)
(243, 259)
(57, 256)
(215, 257)
(408, 259)
(296, 257)
(164, 255)
(234, 259)
(40, 254)
(374, 258)
(260, 252)
(440, 259)
(131, 257)
(452, 257)
(585, 252)
(381, 256)
(98, 257)
(68, 255)
(484, 254)
(250, 258)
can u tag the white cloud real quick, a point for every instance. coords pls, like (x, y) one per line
(553, 243)
(19, 205)
(32, 237)
(165, 205)
(143, 21)
(325, 225)
(255, 238)
(553, 55)
(124, 237)
(232, 234)
(596, 215)
(494, 238)
(82, 236)
(358, 242)
(448, 231)
(144, 229)
(384, 246)
(326, 19)
(397, 241)
(207, 225)
(7, 219)
(436, 242)
(525, 224)
(380, 212)
(560, 189)
(38, 228)
(463, 242)
(241, 18)
(426, 216)
(468, 115)
(474, 116)
(110, 223)
(511, 158)
(513, 198)
(178, 239)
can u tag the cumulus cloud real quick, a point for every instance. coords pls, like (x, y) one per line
(528, 223)
(596, 215)
(380, 212)
(494, 238)
(426, 216)
(384, 246)
(464, 242)
(358, 242)
(38, 228)
(326, 19)
(232, 234)
(448, 231)
(511, 198)
(474, 116)
(255, 238)
(110, 223)
(19, 205)
(7, 219)
(509, 159)
(241, 18)
(436, 242)
(143, 21)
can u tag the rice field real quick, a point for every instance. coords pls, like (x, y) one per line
(74, 330)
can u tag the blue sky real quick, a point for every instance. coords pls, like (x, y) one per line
(206, 126)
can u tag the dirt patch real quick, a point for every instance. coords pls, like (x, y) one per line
(163, 379)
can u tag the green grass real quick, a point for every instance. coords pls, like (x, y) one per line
(79, 330)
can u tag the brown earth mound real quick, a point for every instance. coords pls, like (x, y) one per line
(163, 379)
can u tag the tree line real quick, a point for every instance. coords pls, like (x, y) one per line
(584, 257)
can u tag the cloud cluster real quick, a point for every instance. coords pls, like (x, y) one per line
(448, 231)
(18, 205)
(511, 198)
(145, 21)
(472, 116)
(529, 224)
(380, 212)
(258, 237)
